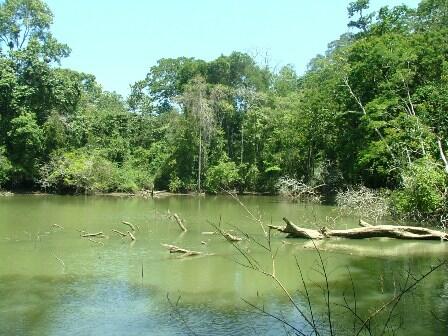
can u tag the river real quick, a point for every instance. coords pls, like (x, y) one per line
(54, 282)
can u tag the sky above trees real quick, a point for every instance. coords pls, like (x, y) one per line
(118, 41)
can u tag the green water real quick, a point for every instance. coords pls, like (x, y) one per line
(53, 282)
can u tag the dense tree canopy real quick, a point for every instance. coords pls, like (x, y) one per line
(372, 111)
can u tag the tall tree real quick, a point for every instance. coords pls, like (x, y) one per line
(197, 106)
(359, 7)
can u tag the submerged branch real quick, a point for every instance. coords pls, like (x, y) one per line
(184, 252)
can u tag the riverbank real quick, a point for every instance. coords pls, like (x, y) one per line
(142, 193)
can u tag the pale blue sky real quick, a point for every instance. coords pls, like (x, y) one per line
(118, 41)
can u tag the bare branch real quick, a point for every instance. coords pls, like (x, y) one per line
(442, 154)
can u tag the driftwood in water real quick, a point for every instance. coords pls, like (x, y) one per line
(96, 235)
(231, 238)
(130, 225)
(366, 231)
(180, 222)
(184, 252)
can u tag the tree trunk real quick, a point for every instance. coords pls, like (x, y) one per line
(200, 160)
(242, 144)
(442, 155)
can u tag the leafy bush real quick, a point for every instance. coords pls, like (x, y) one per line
(423, 194)
(26, 137)
(251, 176)
(5, 167)
(224, 175)
(175, 184)
(81, 172)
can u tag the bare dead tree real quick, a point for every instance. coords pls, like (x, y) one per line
(362, 202)
(196, 101)
(297, 190)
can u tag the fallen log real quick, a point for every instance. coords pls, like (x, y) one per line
(388, 231)
(366, 231)
(184, 252)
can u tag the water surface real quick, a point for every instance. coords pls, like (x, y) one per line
(54, 282)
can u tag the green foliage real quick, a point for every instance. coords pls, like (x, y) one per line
(250, 176)
(223, 176)
(82, 172)
(175, 184)
(5, 167)
(22, 20)
(423, 193)
(25, 144)
(358, 7)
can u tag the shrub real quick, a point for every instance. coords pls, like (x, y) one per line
(79, 172)
(5, 167)
(251, 176)
(224, 175)
(175, 184)
(423, 192)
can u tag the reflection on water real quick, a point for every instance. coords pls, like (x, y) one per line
(68, 306)
(52, 282)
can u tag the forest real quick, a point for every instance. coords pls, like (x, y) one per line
(372, 112)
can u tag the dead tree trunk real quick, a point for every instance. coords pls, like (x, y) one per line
(366, 231)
